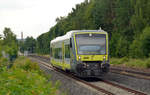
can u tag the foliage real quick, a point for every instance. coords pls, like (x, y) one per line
(29, 44)
(0, 48)
(135, 48)
(145, 42)
(26, 65)
(25, 78)
(141, 45)
(124, 20)
(3, 64)
(0, 37)
(43, 43)
(130, 62)
(9, 44)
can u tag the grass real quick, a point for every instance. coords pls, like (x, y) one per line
(45, 55)
(24, 78)
(128, 62)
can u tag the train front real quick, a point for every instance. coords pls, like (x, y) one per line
(91, 53)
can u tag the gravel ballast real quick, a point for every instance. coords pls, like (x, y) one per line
(68, 85)
(73, 87)
(130, 82)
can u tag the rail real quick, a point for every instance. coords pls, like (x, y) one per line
(46, 59)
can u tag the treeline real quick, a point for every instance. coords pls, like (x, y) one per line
(126, 21)
(28, 44)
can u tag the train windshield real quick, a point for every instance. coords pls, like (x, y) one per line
(91, 44)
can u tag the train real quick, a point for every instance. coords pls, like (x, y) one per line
(82, 52)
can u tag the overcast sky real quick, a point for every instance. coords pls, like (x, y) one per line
(32, 17)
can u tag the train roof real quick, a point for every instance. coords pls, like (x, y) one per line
(69, 34)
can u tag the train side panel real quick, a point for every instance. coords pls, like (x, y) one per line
(65, 53)
(60, 56)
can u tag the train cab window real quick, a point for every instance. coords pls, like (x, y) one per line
(67, 51)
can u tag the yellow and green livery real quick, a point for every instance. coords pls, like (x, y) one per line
(83, 52)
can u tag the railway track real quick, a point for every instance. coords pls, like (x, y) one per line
(131, 73)
(70, 75)
(92, 85)
(122, 71)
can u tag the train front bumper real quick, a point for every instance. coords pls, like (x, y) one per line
(92, 69)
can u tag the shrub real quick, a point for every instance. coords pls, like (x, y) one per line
(20, 82)
(3, 64)
(114, 61)
(145, 40)
(141, 45)
(24, 79)
(137, 63)
(148, 63)
(124, 59)
(26, 64)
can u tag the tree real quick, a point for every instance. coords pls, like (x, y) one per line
(0, 46)
(0, 37)
(124, 20)
(43, 43)
(29, 44)
(9, 36)
(145, 42)
(135, 49)
(9, 44)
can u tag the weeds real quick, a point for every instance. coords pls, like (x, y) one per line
(137, 63)
(24, 78)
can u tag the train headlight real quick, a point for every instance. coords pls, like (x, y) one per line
(79, 57)
(104, 57)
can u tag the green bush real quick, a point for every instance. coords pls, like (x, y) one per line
(20, 82)
(115, 61)
(148, 63)
(3, 64)
(3, 61)
(24, 79)
(135, 49)
(145, 41)
(124, 59)
(136, 63)
(26, 64)
(140, 47)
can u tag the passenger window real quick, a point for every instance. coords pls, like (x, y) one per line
(58, 53)
(67, 51)
(51, 52)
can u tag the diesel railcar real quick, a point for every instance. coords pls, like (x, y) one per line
(83, 52)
